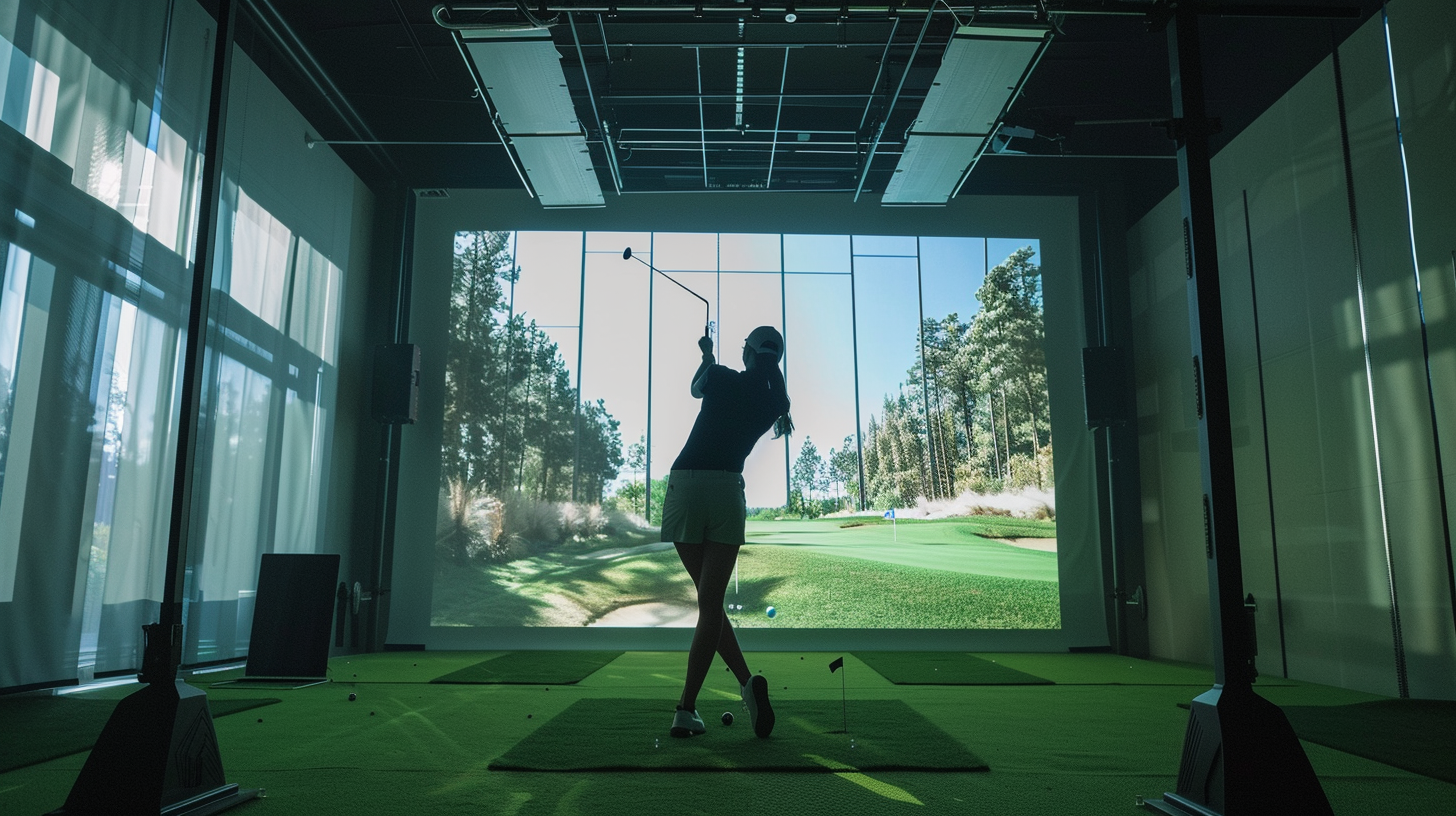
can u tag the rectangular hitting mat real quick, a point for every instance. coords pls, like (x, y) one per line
(945, 669)
(547, 668)
(631, 735)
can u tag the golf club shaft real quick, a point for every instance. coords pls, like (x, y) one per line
(707, 309)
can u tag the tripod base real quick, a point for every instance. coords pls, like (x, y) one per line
(157, 754)
(1241, 756)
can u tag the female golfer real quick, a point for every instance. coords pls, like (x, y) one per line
(704, 512)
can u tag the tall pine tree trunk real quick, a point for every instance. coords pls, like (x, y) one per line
(1006, 420)
(995, 435)
(1031, 411)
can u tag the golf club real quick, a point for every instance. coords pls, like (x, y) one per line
(707, 324)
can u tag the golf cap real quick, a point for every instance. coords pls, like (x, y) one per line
(766, 340)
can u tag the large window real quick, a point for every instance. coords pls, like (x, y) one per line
(915, 492)
(97, 234)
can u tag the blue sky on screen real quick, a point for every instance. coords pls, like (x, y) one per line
(738, 274)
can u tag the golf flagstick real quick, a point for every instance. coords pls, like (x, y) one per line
(834, 666)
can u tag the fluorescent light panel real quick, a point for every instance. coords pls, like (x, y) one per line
(560, 169)
(929, 168)
(978, 75)
(521, 72)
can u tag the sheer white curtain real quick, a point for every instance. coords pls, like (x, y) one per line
(302, 474)
(139, 523)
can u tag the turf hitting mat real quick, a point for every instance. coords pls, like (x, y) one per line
(945, 669)
(61, 726)
(533, 668)
(631, 735)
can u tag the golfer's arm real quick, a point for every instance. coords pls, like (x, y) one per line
(697, 387)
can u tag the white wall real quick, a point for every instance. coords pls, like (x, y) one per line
(1350, 517)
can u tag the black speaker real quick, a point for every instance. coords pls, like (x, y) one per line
(1106, 384)
(396, 399)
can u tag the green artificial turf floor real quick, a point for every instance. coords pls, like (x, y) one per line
(944, 669)
(814, 736)
(409, 746)
(549, 668)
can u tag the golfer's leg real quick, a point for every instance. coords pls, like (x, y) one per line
(728, 649)
(732, 654)
(716, 568)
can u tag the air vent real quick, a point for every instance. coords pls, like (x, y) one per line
(433, 192)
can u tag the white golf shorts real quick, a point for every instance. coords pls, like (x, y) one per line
(704, 506)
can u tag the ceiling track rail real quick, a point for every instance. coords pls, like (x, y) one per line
(880, 131)
(778, 119)
(287, 41)
(591, 97)
(702, 118)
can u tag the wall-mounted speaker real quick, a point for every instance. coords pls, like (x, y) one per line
(396, 398)
(1106, 385)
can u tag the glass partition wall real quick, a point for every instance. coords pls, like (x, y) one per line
(921, 446)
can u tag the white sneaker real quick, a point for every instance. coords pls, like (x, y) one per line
(687, 724)
(755, 699)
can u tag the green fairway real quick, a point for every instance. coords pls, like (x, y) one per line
(811, 589)
(953, 545)
(817, 574)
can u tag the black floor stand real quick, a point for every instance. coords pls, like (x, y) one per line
(1240, 755)
(157, 754)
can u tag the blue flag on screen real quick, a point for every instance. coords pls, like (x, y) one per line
(836, 665)
(889, 514)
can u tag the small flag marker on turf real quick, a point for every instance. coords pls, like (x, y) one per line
(835, 665)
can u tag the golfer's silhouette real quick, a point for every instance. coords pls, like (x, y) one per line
(704, 512)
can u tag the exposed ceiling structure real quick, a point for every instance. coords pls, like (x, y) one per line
(746, 96)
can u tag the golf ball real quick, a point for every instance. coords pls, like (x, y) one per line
(727, 718)
(771, 612)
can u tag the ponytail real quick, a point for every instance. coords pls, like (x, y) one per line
(768, 363)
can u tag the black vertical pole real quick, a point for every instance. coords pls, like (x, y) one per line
(158, 752)
(1264, 423)
(580, 322)
(647, 455)
(784, 321)
(1240, 755)
(381, 568)
(193, 361)
(854, 344)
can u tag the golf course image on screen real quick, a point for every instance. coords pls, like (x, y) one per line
(916, 491)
